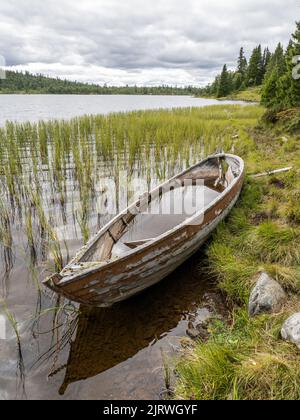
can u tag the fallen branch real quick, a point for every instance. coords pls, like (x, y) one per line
(277, 171)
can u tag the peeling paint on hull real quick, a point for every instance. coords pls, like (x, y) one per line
(107, 283)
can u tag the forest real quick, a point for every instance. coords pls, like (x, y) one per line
(275, 72)
(19, 82)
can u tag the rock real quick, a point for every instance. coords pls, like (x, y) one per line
(266, 297)
(193, 333)
(291, 330)
(198, 332)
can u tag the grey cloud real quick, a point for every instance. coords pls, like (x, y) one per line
(194, 36)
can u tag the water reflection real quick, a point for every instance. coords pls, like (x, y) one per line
(107, 337)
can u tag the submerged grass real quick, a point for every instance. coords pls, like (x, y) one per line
(51, 182)
(247, 359)
(51, 172)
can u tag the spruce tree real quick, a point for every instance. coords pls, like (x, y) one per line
(276, 68)
(255, 68)
(224, 88)
(242, 63)
(237, 81)
(293, 58)
(266, 59)
(288, 87)
(285, 93)
(277, 60)
(268, 95)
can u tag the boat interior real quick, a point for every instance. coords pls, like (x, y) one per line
(163, 209)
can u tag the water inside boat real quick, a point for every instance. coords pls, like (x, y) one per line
(163, 214)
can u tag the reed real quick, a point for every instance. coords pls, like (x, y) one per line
(50, 171)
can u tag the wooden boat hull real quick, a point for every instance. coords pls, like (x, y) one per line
(111, 282)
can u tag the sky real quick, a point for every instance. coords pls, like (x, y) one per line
(174, 42)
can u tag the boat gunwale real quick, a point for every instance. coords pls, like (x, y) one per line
(96, 267)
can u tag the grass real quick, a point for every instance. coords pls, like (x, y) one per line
(249, 95)
(246, 359)
(51, 182)
(243, 361)
(51, 172)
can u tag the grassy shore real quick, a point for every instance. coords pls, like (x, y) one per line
(248, 95)
(51, 172)
(245, 358)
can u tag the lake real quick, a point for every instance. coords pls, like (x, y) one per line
(33, 108)
(51, 193)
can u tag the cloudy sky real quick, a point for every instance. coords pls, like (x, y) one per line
(133, 41)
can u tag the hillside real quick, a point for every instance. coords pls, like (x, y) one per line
(17, 82)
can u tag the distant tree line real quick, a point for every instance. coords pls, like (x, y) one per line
(18, 82)
(275, 72)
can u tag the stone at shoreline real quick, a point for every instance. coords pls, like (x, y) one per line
(291, 330)
(193, 333)
(197, 333)
(213, 309)
(267, 296)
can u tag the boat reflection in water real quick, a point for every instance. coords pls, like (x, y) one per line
(107, 337)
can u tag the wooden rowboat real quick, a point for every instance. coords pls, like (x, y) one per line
(141, 246)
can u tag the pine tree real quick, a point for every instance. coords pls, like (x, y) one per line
(224, 84)
(277, 60)
(271, 97)
(288, 87)
(242, 63)
(213, 90)
(268, 96)
(237, 81)
(285, 92)
(266, 59)
(291, 60)
(255, 68)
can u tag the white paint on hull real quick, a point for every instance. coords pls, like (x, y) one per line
(153, 272)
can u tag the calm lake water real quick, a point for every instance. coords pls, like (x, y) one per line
(81, 353)
(45, 107)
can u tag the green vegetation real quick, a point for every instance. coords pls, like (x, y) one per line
(251, 94)
(281, 89)
(51, 182)
(270, 78)
(247, 76)
(245, 357)
(17, 82)
(243, 361)
(51, 174)
(224, 87)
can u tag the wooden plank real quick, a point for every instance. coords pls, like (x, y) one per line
(269, 173)
(135, 244)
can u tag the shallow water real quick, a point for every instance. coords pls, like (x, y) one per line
(107, 353)
(115, 353)
(22, 108)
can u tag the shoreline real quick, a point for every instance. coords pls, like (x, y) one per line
(246, 358)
